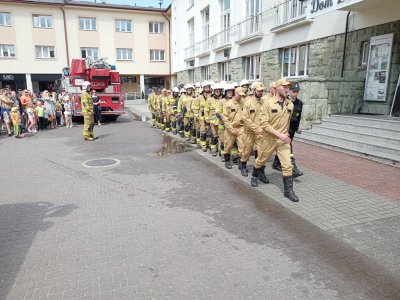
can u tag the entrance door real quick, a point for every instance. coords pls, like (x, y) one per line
(395, 112)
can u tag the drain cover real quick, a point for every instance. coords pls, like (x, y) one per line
(101, 163)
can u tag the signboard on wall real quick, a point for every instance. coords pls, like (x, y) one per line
(380, 52)
(319, 7)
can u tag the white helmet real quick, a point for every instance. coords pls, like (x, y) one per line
(229, 86)
(85, 84)
(218, 86)
(175, 89)
(197, 84)
(244, 82)
(205, 83)
(183, 90)
(189, 86)
(235, 84)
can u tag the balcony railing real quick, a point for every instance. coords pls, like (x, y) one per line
(289, 12)
(203, 46)
(189, 52)
(250, 27)
(221, 39)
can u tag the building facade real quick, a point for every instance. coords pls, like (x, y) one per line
(39, 38)
(344, 53)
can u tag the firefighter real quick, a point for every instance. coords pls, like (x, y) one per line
(88, 112)
(245, 85)
(199, 115)
(252, 131)
(275, 116)
(229, 91)
(294, 127)
(185, 111)
(174, 109)
(150, 100)
(233, 121)
(210, 109)
(197, 89)
(161, 112)
(179, 116)
(167, 102)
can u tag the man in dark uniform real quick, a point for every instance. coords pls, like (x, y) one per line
(294, 127)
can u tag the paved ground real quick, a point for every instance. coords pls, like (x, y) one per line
(168, 222)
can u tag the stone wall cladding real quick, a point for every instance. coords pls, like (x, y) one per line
(237, 73)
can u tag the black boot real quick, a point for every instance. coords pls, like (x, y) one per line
(262, 176)
(288, 187)
(228, 164)
(296, 171)
(243, 169)
(254, 181)
(276, 165)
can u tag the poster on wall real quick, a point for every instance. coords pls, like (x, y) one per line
(376, 83)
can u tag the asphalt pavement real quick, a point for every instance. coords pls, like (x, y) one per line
(138, 214)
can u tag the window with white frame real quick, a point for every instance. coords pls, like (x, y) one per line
(42, 21)
(295, 61)
(7, 51)
(205, 73)
(206, 22)
(253, 9)
(157, 55)
(90, 52)
(226, 19)
(87, 23)
(44, 52)
(225, 70)
(252, 67)
(364, 53)
(124, 54)
(123, 25)
(5, 19)
(190, 24)
(156, 27)
(191, 75)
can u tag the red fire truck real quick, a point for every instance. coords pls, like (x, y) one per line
(104, 79)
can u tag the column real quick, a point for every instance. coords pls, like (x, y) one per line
(142, 85)
(29, 82)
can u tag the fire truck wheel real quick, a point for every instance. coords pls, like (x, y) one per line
(112, 118)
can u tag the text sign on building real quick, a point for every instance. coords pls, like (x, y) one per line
(380, 52)
(319, 7)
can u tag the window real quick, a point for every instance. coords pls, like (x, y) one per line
(87, 23)
(90, 52)
(7, 51)
(225, 70)
(157, 55)
(205, 73)
(41, 21)
(5, 19)
(156, 27)
(294, 61)
(190, 24)
(124, 54)
(364, 53)
(44, 52)
(226, 19)
(123, 25)
(206, 22)
(191, 75)
(252, 67)
(253, 13)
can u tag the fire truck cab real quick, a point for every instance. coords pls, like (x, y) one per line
(103, 78)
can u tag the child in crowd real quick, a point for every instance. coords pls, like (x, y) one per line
(30, 110)
(40, 110)
(68, 113)
(16, 119)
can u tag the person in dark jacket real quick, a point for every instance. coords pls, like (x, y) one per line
(294, 127)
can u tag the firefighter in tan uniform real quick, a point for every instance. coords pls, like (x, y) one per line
(174, 109)
(150, 100)
(184, 110)
(229, 91)
(233, 121)
(252, 130)
(179, 117)
(275, 119)
(211, 109)
(199, 115)
(88, 112)
(167, 107)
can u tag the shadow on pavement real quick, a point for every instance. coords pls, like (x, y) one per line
(19, 225)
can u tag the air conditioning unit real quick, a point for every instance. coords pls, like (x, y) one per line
(227, 52)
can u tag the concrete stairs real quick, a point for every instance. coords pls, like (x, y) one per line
(373, 137)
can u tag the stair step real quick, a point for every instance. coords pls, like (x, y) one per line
(358, 137)
(347, 144)
(389, 124)
(390, 133)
